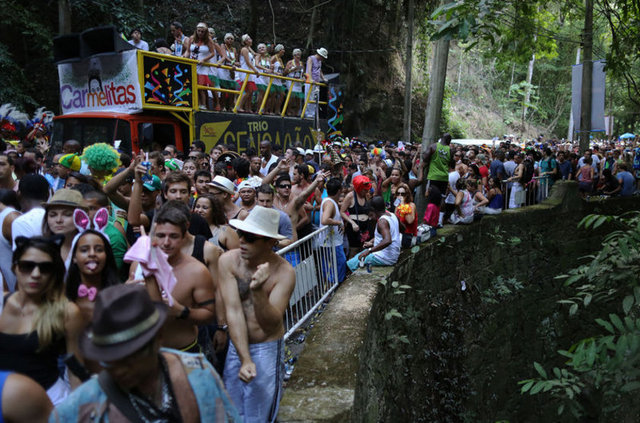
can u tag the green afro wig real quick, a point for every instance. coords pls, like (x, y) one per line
(101, 157)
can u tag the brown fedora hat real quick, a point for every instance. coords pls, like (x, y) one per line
(124, 320)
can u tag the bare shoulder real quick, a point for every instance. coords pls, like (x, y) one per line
(72, 311)
(212, 251)
(282, 268)
(191, 267)
(229, 259)
(23, 399)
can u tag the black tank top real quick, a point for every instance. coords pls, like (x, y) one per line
(198, 248)
(357, 209)
(19, 352)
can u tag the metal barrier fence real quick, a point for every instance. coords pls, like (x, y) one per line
(536, 191)
(316, 277)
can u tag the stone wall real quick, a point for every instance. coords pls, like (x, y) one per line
(409, 344)
(455, 351)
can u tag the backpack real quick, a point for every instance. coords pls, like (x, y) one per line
(527, 173)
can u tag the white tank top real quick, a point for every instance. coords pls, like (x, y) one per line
(199, 52)
(390, 254)
(277, 68)
(332, 236)
(466, 208)
(243, 65)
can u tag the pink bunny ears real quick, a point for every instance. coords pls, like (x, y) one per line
(82, 221)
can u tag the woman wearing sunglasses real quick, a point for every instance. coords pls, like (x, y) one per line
(38, 323)
(406, 213)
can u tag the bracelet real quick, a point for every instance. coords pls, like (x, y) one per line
(223, 328)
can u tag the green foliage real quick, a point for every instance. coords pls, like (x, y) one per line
(604, 368)
(501, 289)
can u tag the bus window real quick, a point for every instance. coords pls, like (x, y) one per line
(155, 136)
(123, 134)
(86, 131)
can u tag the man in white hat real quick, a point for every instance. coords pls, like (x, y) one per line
(247, 194)
(224, 190)
(256, 286)
(314, 73)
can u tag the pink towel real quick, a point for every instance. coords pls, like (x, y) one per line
(154, 262)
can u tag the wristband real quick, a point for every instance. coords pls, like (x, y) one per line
(184, 313)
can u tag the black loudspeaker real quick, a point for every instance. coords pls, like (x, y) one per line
(102, 40)
(66, 48)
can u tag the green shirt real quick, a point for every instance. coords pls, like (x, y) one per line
(118, 243)
(439, 164)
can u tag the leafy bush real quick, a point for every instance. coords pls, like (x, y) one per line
(602, 370)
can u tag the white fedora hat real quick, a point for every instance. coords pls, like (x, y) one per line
(223, 184)
(261, 221)
(323, 52)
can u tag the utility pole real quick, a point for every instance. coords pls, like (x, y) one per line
(433, 114)
(587, 76)
(408, 66)
(571, 123)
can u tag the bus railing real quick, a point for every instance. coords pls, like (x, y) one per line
(310, 85)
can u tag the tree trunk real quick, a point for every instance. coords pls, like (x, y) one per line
(140, 5)
(587, 76)
(64, 17)
(513, 71)
(408, 66)
(253, 20)
(312, 25)
(527, 96)
(433, 113)
(460, 59)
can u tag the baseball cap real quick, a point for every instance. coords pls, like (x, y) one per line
(154, 184)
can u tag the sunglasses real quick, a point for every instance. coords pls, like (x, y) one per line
(27, 266)
(400, 193)
(248, 236)
(284, 186)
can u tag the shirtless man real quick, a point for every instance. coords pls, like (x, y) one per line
(293, 206)
(247, 196)
(256, 286)
(193, 294)
(197, 247)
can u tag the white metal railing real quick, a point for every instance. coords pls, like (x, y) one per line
(534, 192)
(316, 277)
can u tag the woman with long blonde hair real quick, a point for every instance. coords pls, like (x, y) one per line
(200, 47)
(38, 323)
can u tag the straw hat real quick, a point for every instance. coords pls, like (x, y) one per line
(65, 197)
(261, 221)
(223, 184)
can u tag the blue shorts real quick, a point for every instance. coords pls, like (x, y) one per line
(258, 400)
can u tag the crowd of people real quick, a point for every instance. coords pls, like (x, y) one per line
(160, 273)
(238, 59)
